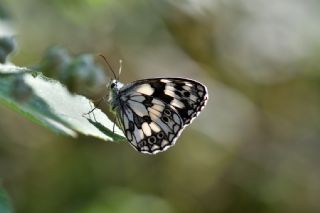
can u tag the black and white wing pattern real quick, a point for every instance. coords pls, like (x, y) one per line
(153, 112)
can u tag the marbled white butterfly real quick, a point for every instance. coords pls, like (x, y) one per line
(153, 112)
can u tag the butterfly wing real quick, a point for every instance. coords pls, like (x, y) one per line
(153, 112)
(152, 129)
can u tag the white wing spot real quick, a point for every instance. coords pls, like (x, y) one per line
(186, 88)
(170, 93)
(154, 117)
(145, 148)
(158, 108)
(164, 143)
(157, 102)
(154, 127)
(154, 112)
(154, 147)
(169, 87)
(146, 129)
(188, 84)
(145, 89)
(165, 81)
(177, 103)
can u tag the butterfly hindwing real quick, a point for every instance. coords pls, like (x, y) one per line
(149, 124)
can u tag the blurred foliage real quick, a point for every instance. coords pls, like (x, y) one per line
(79, 74)
(49, 104)
(7, 45)
(5, 206)
(255, 146)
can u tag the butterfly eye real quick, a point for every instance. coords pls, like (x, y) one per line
(112, 85)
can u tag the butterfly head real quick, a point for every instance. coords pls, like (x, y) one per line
(114, 87)
(113, 84)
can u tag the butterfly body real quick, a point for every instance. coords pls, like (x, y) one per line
(153, 112)
(114, 97)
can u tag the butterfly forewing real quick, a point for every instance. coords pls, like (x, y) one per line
(153, 112)
(187, 96)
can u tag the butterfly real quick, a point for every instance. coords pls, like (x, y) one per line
(152, 113)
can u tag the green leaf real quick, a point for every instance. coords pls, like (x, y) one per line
(5, 206)
(48, 103)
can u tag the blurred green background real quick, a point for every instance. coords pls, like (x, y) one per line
(254, 148)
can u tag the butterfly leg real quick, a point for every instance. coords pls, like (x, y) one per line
(91, 111)
(94, 117)
(100, 101)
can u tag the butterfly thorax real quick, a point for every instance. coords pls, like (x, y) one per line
(114, 97)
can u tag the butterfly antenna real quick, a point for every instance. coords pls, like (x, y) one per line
(120, 69)
(104, 58)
